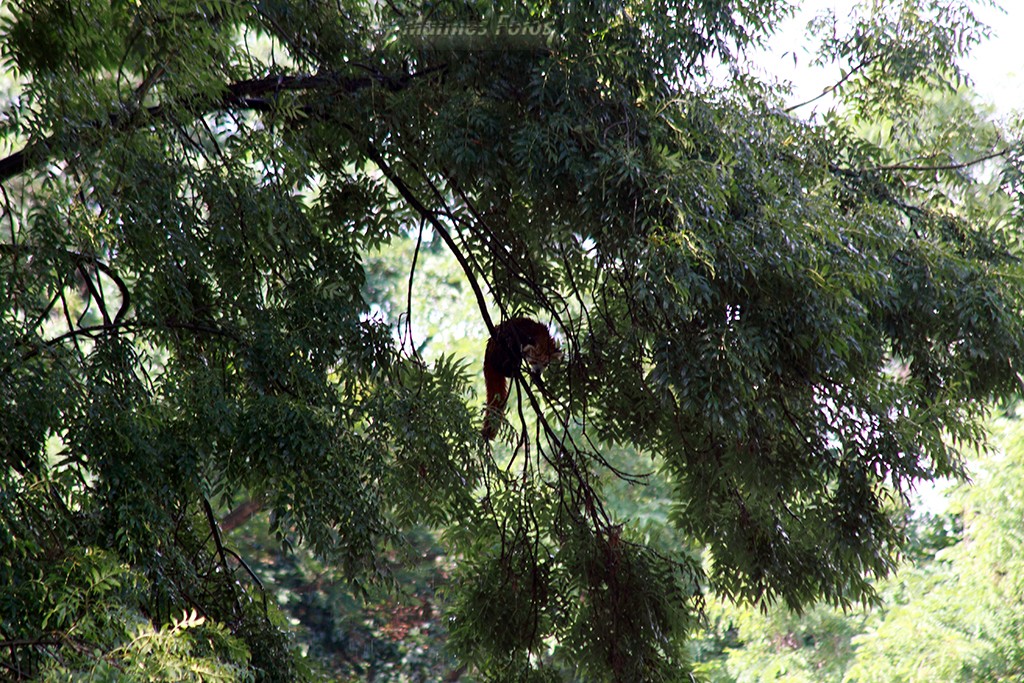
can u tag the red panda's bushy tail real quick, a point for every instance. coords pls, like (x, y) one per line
(497, 396)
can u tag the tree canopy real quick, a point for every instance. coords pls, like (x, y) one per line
(789, 324)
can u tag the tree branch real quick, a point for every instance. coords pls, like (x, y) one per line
(80, 261)
(376, 157)
(241, 514)
(939, 167)
(223, 551)
(249, 94)
(832, 88)
(211, 519)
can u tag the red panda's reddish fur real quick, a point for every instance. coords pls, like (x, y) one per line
(513, 341)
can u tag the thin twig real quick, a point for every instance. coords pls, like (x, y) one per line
(832, 88)
(939, 167)
(408, 293)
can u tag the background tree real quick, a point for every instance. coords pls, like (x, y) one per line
(971, 594)
(764, 308)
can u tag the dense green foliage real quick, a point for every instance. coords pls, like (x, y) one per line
(200, 212)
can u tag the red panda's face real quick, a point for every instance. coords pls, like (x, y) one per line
(538, 356)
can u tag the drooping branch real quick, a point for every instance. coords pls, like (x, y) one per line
(211, 519)
(866, 172)
(403, 189)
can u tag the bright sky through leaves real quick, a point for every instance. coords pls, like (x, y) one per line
(996, 66)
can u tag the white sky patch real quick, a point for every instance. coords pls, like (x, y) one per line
(996, 66)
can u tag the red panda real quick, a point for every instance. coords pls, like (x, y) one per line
(513, 341)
